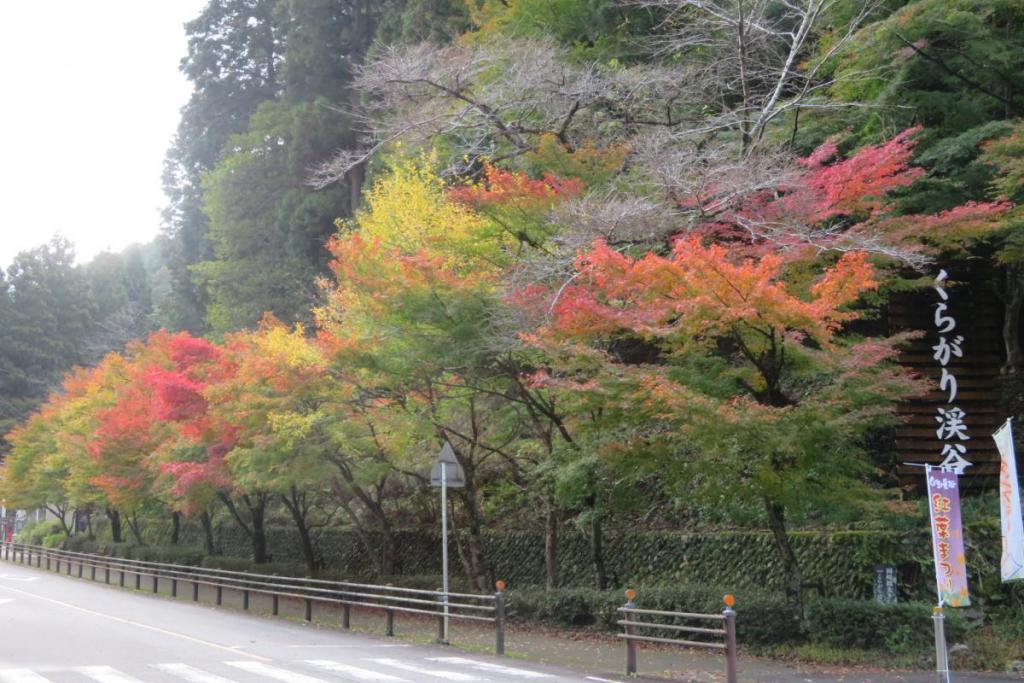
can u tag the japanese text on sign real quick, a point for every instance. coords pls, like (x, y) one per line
(947, 538)
(952, 428)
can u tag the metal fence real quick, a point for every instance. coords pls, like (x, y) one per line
(638, 623)
(479, 608)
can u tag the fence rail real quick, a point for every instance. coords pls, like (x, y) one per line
(474, 607)
(637, 624)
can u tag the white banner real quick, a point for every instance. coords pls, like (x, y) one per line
(1009, 506)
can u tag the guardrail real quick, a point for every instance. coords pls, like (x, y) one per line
(389, 599)
(631, 622)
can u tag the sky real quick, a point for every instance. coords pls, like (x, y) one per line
(92, 99)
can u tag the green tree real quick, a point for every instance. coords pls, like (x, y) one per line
(233, 59)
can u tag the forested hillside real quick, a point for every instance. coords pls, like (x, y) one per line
(55, 314)
(631, 258)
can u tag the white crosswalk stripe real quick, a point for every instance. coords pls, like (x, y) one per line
(364, 670)
(277, 674)
(191, 674)
(22, 676)
(355, 672)
(433, 673)
(105, 674)
(488, 666)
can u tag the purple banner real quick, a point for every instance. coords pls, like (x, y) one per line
(947, 538)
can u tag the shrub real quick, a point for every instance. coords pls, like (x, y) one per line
(899, 629)
(36, 533)
(279, 569)
(169, 554)
(235, 564)
(53, 540)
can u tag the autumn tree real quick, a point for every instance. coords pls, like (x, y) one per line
(273, 397)
(745, 390)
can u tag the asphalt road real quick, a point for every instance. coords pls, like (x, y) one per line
(61, 629)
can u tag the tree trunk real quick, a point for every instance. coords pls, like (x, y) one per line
(345, 489)
(597, 550)
(790, 566)
(207, 522)
(295, 504)
(175, 527)
(360, 41)
(60, 512)
(551, 545)
(133, 524)
(481, 575)
(257, 508)
(115, 524)
(1013, 302)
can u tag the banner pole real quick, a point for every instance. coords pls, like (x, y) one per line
(942, 674)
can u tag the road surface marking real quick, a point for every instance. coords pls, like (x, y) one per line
(354, 671)
(191, 674)
(105, 674)
(157, 629)
(434, 673)
(275, 673)
(487, 666)
(361, 646)
(11, 577)
(4, 601)
(22, 676)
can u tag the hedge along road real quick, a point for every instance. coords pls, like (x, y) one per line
(64, 629)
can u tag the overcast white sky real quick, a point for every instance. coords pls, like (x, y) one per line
(91, 98)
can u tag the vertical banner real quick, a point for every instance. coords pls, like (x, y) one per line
(947, 537)
(1012, 566)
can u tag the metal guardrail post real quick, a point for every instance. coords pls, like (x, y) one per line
(730, 639)
(630, 643)
(274, 607)
(389, 599)
(57, 565)
(389, 620)
(499, 618)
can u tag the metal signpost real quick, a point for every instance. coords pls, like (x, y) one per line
(446, 472)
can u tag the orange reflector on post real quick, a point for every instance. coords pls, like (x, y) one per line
(630, 594)
(500, 585)
(729, 600)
